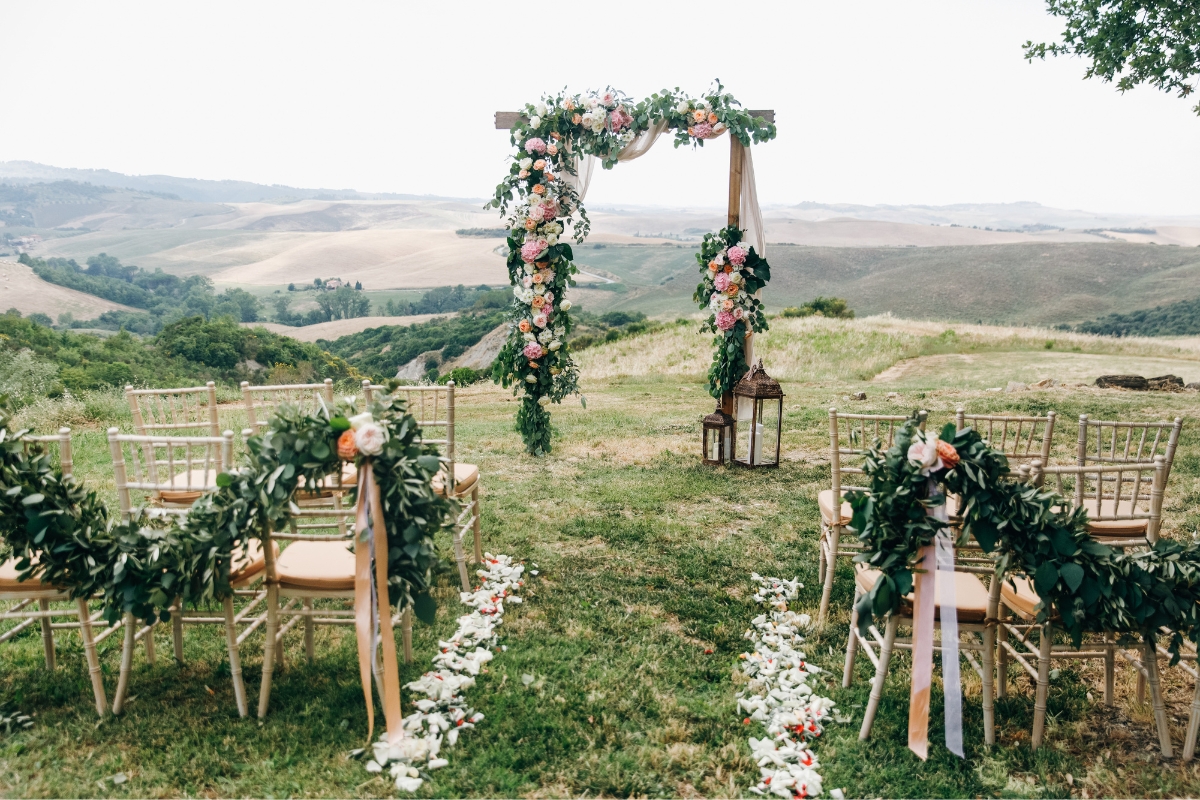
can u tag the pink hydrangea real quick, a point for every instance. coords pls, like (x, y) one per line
(725, 320)
(721, 282)
(533, 350)
(702, 130)
(619, 118)
(531, 250)
(535, 145)
(736, 255)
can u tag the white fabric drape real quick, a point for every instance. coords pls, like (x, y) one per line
(640, 145)
(749, 213)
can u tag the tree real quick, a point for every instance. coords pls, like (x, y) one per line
(291, 287)
(1130, 41)
(343, 303)
(39, 318)
(239, 304)
(358, 286)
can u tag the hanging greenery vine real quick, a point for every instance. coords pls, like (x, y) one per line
(62, 533)
(732, 273)
(1094, 588)
(553, 134)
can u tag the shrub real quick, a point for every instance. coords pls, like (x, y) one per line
(834, 307)
(464, 376)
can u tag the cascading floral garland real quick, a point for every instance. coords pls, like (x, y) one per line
(732, 274)
(553, 135)
(1093, 587)
(62, 532)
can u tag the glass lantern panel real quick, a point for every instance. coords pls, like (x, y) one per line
(745, 416)
(767, 440)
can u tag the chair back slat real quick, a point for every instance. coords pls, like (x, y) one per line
(848, 439)
(188, 411)
(62, 439)
(165, 472)
(1135, 490)
(1124, 442)
(433, 407)
(1021, 438)
(261, 401)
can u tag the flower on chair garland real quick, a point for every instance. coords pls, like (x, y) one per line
(536, 359)
(731, 275)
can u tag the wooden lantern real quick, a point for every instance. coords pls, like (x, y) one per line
(717, 438)
(758, 426)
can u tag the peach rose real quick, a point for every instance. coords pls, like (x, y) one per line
(728, 268)
(539, 189)
(576, 119)
(533, 365)
(727, 305)
(524, 326)
(947, 453)
(538, 277)
(732, 290)
(530, 223)
(541, 264)
(539, 164)
(712, 118)
(714, 266)
(549, 176)
(552, 149)
(691, 131)
(699, 115)
(569, 104)
(347, 451)
(538, 301)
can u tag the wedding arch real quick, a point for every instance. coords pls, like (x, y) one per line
(558, 142)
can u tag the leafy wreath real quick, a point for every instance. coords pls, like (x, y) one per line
(554, 133)
(732, 274)
(61, 532)
(1095, 588)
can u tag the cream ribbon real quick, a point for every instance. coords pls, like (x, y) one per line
(937, 570)
(370, 598)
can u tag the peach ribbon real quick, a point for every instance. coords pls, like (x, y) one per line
(372, 610)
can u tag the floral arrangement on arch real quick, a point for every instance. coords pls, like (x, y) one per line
(732, 275)
(555, 132)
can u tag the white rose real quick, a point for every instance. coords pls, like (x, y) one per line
(525, 163)
(554, 345)
(683, 107)
(541, 109)
(530, 336)
(565, 305)
(545, 336)
(531, 378)
(591, 102)
(552, 239)
(369, 439)
(359, 420)
(544, 400)
(535, 122)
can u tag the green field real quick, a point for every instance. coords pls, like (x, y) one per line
(645, 559)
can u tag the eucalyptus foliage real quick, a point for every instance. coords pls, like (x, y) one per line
(1084, 585)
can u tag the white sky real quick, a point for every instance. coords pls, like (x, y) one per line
(876, 102)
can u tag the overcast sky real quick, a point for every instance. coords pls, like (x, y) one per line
(876, 102)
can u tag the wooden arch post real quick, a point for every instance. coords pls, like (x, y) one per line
(737, 159)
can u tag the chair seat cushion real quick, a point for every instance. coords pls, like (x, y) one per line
(465, 476)
(9, 582)
(249, 560)
(325, 566)
(1023, 600)
(330, 484)
(970, 595)
(825, 501)
(189, 486)
(1115, 527)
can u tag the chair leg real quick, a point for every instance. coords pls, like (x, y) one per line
(126, 663)
(1160, 709)
(235, 659)
(885, 657)
(1141, 688)
(148, 640)
(308, 631)
(830, 570)
(1110, 667)
(177, 630)
(264, 693)
(1043, 685)
(406, 635)
(851, 643)
(462, 561)
(47, 635)
(1001, 653)
(93, 662)
(478, 522)
(989, 684)
(821, 556)
(1193, 728)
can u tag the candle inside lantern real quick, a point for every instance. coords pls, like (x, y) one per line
(758, 439)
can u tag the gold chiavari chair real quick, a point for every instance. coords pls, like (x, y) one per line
(1021, 438)
(850, 437)
(24, 594)
(191, 411)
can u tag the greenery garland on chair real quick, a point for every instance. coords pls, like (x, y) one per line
(552, 135)
(62, 533)
(1093, 587)
(732, 274)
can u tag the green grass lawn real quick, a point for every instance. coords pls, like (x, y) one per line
(644, 559)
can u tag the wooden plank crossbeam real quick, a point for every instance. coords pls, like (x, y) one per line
(506, 119)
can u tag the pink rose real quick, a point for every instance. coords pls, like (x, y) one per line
(535, 145)
(533, 350)
(721, 282)
(725, 320)
(369, 439)
(737, 256)
(527, 281)
(549, 297)
(702, 130)
(540, 320)
(619, 118)
(531, 250)
(738, 313)
(608, 99)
